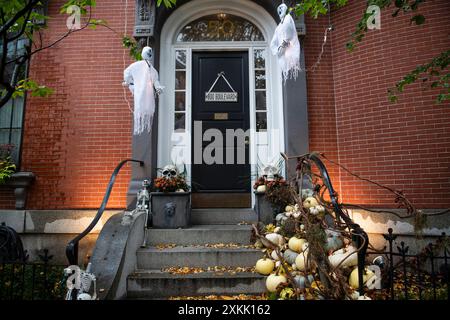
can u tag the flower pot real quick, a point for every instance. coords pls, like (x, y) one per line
(171, 210)
(264, 209)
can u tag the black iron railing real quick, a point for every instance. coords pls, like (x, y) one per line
(40, 280)
(72, 246)
(360, 236)
(424, 275)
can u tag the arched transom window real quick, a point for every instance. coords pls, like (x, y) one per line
(220, 27)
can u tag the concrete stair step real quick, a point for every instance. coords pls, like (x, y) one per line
(201, 257)
(154, 284)
(223, 216)
(201, 234)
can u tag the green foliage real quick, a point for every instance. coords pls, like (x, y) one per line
(29, 85)
(7, 168)
(132, 45)
(167, 3)
(435, 73)
(314, 8)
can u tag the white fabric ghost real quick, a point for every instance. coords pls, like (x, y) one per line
(142, 80)
(285, 45)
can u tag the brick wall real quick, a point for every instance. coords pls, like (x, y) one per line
(74, 139)
(404, 145)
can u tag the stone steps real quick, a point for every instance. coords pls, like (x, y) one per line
(223, 216)
(228, 229)
(201, 257)
(201, 234)
(153, 284)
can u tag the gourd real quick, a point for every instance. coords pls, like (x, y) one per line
(290, 256)
(353, 279)
(275, 238)
(302, 261)
(261, 188)
(179, 190)
(310, 202)
(339, 255)
(295, 244)
(274, 255)
(273, 281)
(304, 282)
(334, 241)
(289, 208)
(264, 266)
(307, 193)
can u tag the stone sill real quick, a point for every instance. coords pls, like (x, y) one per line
(20, 182)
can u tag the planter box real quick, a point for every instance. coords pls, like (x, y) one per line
(171, 210)
(266, 213)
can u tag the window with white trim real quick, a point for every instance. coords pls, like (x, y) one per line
(180, 90)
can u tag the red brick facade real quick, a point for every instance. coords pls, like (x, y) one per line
(74, 139)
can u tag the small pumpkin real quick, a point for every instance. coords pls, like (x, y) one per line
(180, 190)
(338, 256)
(261, 188)
(310, 202)
(274, 255)
(289, 208)
(275, 238)
(353, 279)
(264, 266)
(296, 244)
(290, 256)
(302, 261)
(307, 193)
(273, 281)
(334, 241)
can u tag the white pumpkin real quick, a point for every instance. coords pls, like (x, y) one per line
(296, 214)
(320, 208)
(314, 211)
(273, 281)
(302, 261)
(179, 190)
(310, 202)
(288, 214)
(353, 279)
(289, 208)
(261, 188)
(264, 266)
(339, 255)
(275, 238)
(296, 244)
(277, 230)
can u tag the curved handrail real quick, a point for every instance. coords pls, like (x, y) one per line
(72, 246)
(362, 238)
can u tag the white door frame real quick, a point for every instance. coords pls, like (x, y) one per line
(265, 146)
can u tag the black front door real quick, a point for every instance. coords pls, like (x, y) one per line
(220, 107)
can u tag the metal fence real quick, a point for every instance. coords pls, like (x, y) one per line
(424, 275)
(32, 280)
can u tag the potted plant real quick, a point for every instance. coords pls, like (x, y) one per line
(272, 196)
(171, 199)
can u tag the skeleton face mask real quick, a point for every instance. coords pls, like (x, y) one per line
(282, 9)
(170, 172)
(147, 53)
(270, 172)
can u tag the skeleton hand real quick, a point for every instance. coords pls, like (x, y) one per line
(159, 90)
(283, 46)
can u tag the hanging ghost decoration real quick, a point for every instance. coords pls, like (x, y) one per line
(285, 44)
(142, 80)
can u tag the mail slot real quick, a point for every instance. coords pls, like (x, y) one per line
(220, 116)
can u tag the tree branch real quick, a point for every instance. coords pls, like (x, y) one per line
(20, 13)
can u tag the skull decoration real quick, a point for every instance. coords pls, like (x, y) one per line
(270, 172)
(170, 172)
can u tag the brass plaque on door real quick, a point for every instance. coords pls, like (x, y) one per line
(220, 116)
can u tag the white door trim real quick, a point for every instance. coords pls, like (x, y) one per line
(168, 140)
